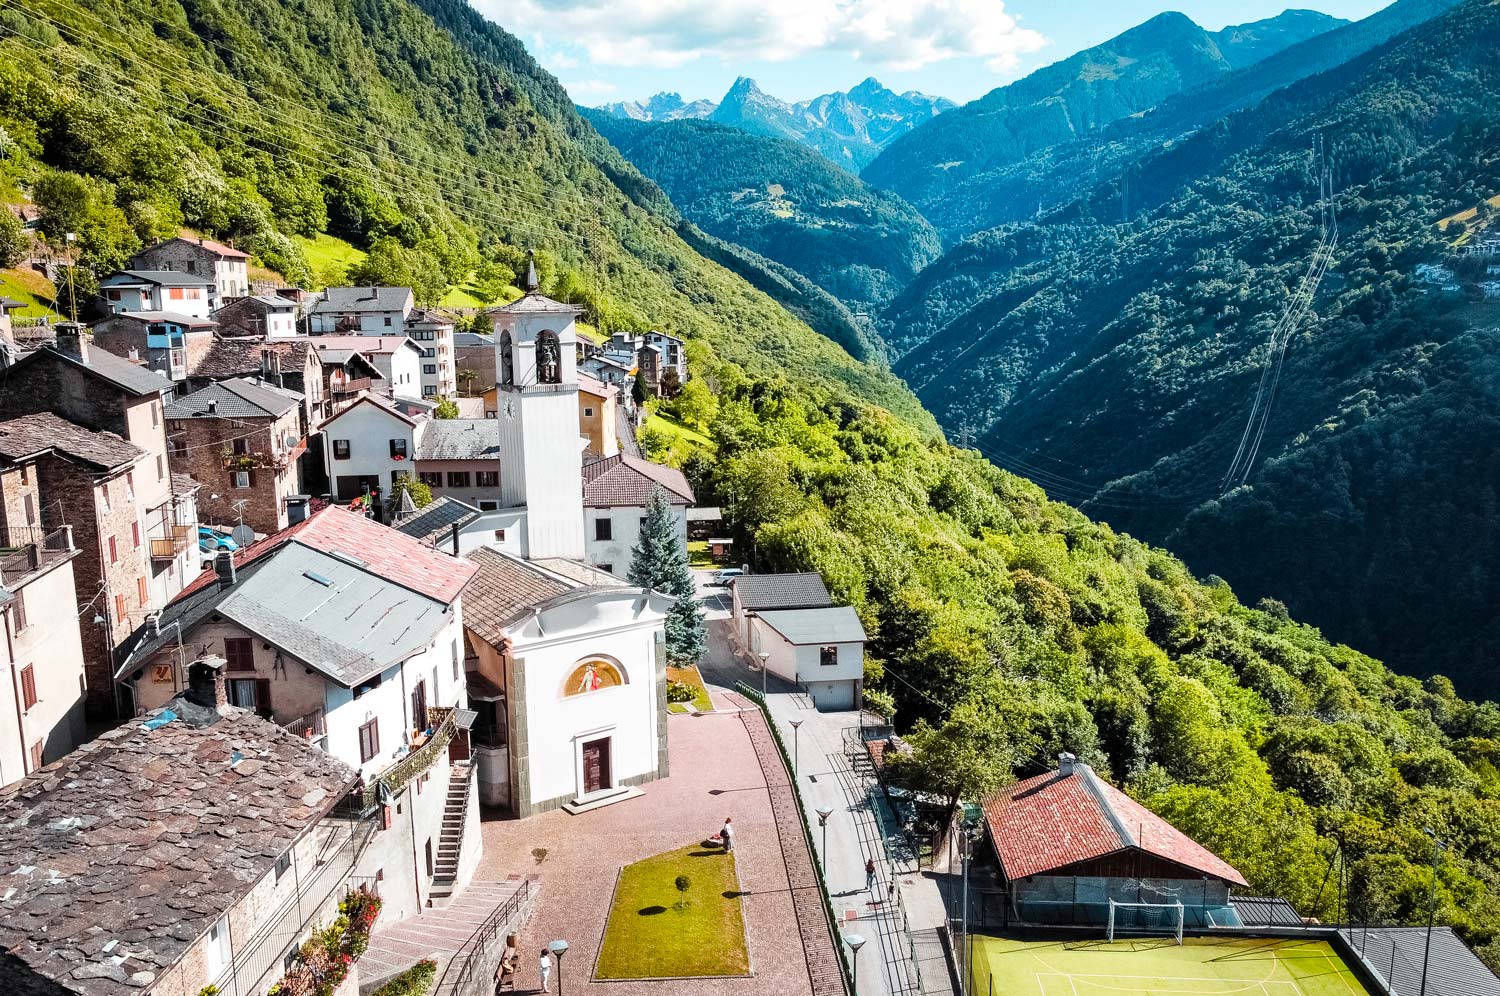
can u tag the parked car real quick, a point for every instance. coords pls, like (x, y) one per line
(211, 541)
(728, 574)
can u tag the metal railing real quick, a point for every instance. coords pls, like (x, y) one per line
(399, 775)
(27, 549)
(310, 727)
(471, 957)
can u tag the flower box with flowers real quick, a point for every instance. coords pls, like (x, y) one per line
(326, 959)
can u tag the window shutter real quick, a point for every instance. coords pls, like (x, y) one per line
(28, 686)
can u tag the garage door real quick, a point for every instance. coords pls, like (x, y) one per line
(833, 696)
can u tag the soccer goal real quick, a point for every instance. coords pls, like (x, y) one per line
(1145, 918)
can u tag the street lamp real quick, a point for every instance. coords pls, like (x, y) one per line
(796, 747)
(967, 840)
(558, 949)
(1437, 849)
(764, 656)
(823, 813)
(855, 942)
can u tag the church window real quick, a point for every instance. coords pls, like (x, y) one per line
(592, 675)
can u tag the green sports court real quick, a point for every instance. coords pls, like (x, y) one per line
(1202, 966)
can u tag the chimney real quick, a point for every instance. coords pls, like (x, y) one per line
(213, 408)
(224, 568)
(72, 341)
(206, 682)
(1065, 764)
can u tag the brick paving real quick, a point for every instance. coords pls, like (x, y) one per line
(716, 772)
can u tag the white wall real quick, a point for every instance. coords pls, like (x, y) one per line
(542, 456)
(625, 532)
(369, 428)
(370, 322)
(829, 685)
(620, 627)
(281, 325)
(481, 532)
(52, 645)
(404, 373)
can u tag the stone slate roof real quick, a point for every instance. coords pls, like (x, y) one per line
(234, 398)
(132, 378)
(503, 589)
(119, 856)
(240, 355)
(467, 338)
(164, 278)
(804, 627)
(459, 439)
(535, 303)
(32, 435)
(1453, 969)
(1045, 824)
(356, 299)
(428, 316)
(781, 591)
(217, 248)
(629, 480)
(438, 517)
(176, 318)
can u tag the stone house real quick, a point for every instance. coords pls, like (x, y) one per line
(169, 344)
(432, 331)
(240, 440)
(361, 311)
(158, 291)
(226, 267)
(568, 678)
(41, 652)
(350, 635)
(616, 491)
(102, 393)
(260, 316)
(158, 808)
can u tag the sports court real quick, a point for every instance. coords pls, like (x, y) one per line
(1203, 966)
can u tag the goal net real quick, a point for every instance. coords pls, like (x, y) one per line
(1146, 918)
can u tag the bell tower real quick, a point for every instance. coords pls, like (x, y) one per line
(541, 448)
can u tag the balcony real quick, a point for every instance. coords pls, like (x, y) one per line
(419, 758)
(310, 728)
(172, 528)
(178, 539)
(348, 385)
(28, 550)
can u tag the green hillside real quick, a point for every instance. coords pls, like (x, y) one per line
(780, 199)
(1004, 627)
(1118, 363)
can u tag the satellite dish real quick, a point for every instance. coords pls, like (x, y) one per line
(243, 535)
(289, 440)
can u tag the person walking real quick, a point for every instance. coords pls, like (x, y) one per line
(544, 965)
(727, 835)
(870, 877)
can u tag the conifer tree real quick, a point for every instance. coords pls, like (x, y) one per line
(660, 562)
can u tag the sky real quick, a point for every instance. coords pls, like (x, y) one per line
(607, 50)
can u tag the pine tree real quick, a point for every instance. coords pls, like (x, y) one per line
(659, 561)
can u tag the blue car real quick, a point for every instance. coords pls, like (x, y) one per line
(211, 541)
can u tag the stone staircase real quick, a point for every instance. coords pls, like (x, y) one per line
(451, 839)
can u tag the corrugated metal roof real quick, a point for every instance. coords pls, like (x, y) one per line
(756, 592)
(1396, 955)
(438, 517)
(804, 627)
(1049, 822)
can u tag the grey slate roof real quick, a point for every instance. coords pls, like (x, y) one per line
(30, 435)
(533, 303)
(165, 278)
(627, 480)
(756, 592)
(121, 855)
(438, 517)
(1395, 954)
(803, 627)
(459, 439)
(355, 299)
(174, 317)
(234, 398)
(504, 589)
(472, 339)
(132, 378)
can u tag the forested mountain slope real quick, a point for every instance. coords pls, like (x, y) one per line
(1052, 177)
(1118, 363)
(784, 201)
(1004, 627)
(935, 166)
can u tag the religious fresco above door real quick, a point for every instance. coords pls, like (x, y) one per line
(591, 676)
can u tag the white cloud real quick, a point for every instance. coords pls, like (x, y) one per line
(900, 34)
(582, 91)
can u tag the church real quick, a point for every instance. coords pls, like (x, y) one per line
(565, 663)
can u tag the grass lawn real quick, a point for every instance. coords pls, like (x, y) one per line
(648, 937)
(329, 257)
(698, 555)
(31, 289)
(701, 702)
(1202, 966)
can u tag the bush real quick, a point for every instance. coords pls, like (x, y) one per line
(415, 981)
(679, 691)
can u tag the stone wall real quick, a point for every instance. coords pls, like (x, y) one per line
(198, 446)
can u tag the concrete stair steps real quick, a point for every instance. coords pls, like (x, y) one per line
(439, 932)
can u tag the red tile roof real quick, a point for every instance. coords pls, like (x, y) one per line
(629, 480)
(228, 252)
(1046, 823)
(382, 551)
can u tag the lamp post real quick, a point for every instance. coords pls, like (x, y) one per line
(764, 656)
(796, 747)
(558, 949)
(967, 840)
(823, 813)
(1437, 849)
(855, 942)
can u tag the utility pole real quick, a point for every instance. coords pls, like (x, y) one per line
(1437, 849)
